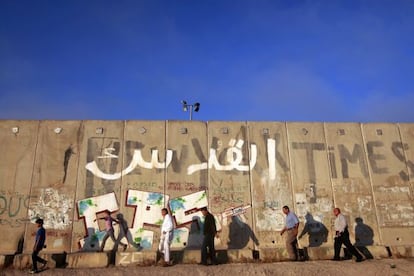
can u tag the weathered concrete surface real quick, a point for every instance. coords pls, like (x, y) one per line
(187, 140)
(393, 194)
(87, 260)
(69, 172)
(229, 183)
(54, 182)
(311, 181)
(135, 258)
(18, 141)
(402, 251)
(269, 255)
(271, 183)
(351, 181)
(407, 155)
(144, 143)
(100, 149)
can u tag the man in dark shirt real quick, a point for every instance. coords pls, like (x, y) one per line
(210, 232)
(39, 244)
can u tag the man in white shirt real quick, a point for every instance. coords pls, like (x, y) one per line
(166, 236)
(342, 237)
(291, 227)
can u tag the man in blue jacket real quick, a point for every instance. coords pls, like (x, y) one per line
(39, 245)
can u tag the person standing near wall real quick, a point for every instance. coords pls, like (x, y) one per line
(166, 236)
(38, 246)
(209, 232)
(291, 227)
(342, 237)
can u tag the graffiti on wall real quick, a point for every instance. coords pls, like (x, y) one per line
(12, 206)
(147, 213)
(231, 157)
(234, 159)
(54, 207)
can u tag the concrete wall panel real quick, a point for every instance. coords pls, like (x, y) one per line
(393, 196)
(407, 138)
(99, 181)
(311, 180)
(18, 140)
(145, 155)
(270, 181)
(351, 181)
(230, 162)
(187, 180)
(54, 182)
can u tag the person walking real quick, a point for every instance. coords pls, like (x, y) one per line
(166, 236)
(291, 227)
(209, 232)
(342, 237)
(110, 233)
(38, 246)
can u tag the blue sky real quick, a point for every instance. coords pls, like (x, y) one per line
(276, 60)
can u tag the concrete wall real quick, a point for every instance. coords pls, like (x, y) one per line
(69, 172)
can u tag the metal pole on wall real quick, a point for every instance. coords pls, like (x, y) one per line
(194, 106)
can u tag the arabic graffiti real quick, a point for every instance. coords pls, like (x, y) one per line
(137, 160)
(234, 158)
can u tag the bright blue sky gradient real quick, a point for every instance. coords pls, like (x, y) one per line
(286, 60)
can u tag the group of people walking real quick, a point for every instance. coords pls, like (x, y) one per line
(209, 233)
(341, 235)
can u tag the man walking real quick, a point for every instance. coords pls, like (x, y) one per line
(38, 246)
(166, 236)
(109, 220)
(210, 232)
(342, 237)
(291, 227)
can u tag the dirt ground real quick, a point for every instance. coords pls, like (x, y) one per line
(381, 267)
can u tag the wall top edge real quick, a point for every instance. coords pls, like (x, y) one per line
(207, 122)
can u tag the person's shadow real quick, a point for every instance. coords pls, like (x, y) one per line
(195, 237)
(364, 236)
(124, 232)
(240, 233)
(317, 231)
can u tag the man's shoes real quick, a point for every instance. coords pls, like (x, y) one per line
(32, 271)
(125, 247)
(358, 260)
(202, 263)
(335, 259)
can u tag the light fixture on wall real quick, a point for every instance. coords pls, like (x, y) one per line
(99, 130)
(225, 130)
(193, 107)
(341, 131)
(183, 130)
(142, 130)
(15, 130)
(58, 130)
